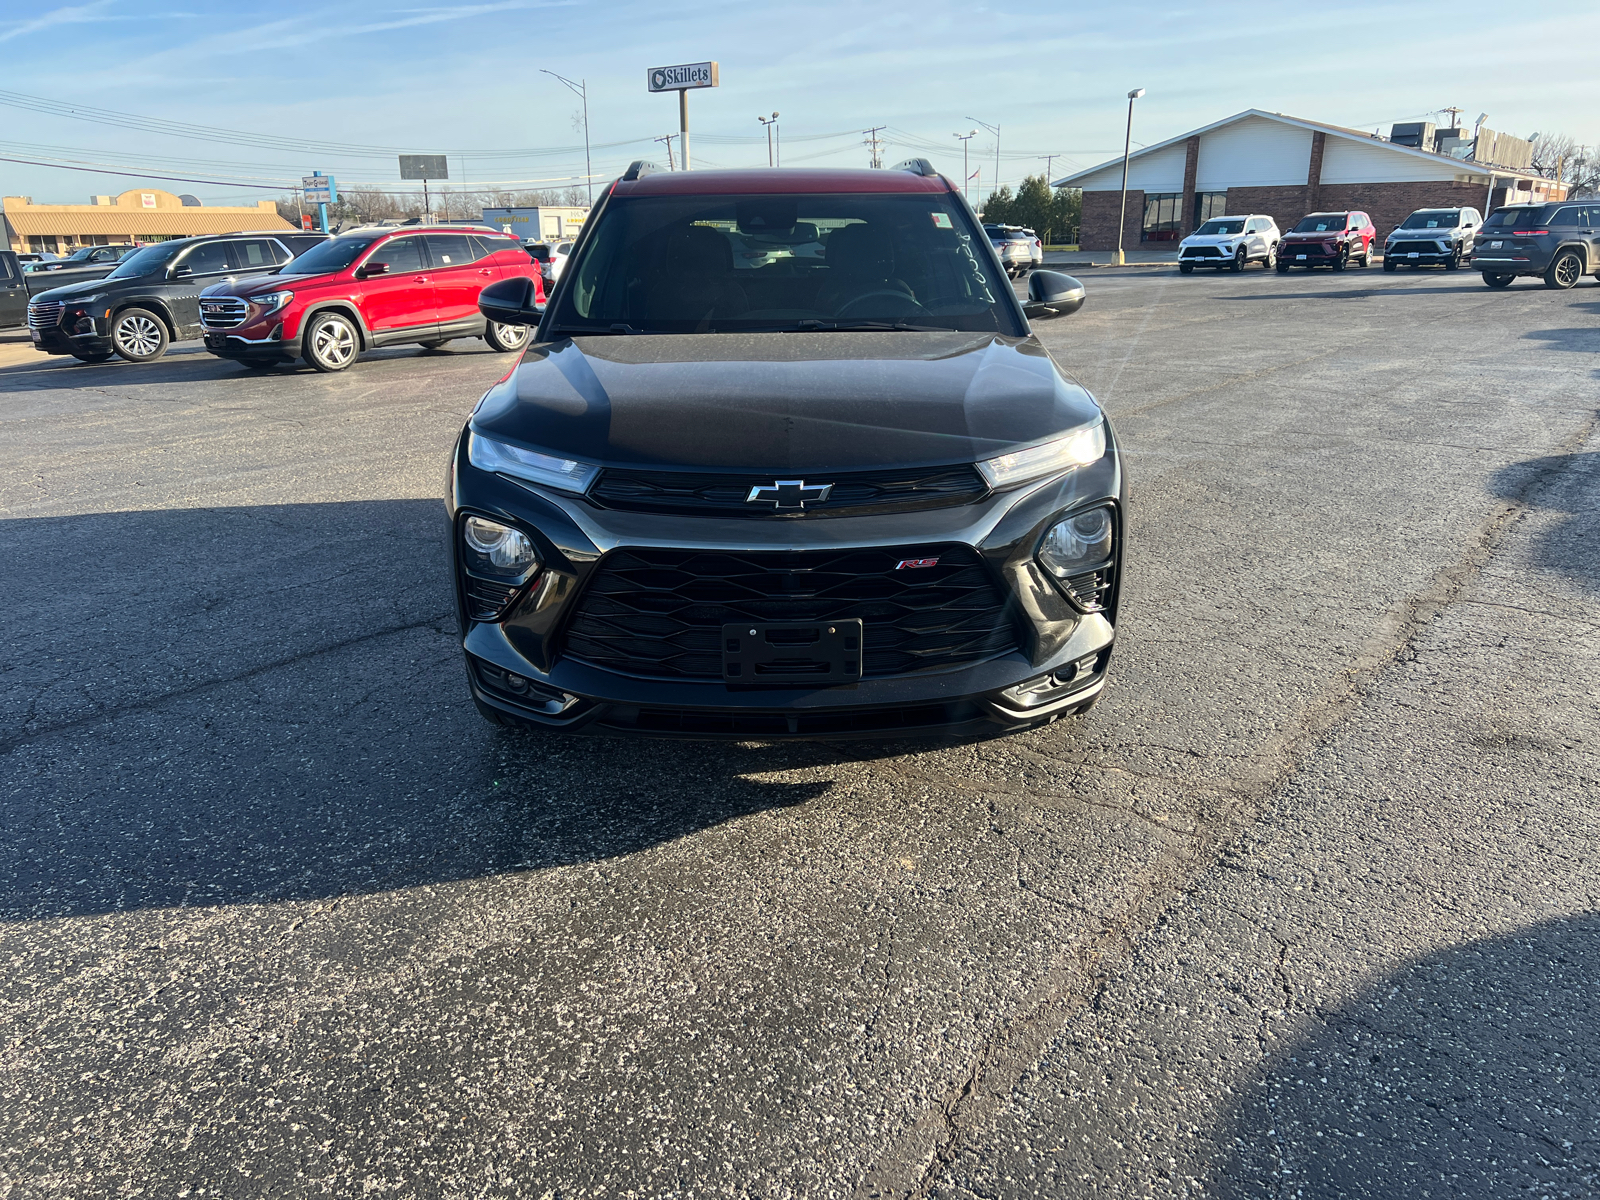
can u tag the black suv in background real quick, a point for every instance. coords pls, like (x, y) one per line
(1560, 241)
(152, 298)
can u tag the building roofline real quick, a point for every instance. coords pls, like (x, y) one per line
(1354, 135)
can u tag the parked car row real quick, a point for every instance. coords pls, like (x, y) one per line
(1558, 242)
(271, 297)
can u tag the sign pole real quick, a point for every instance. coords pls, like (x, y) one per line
(322, 211)
(683, 123)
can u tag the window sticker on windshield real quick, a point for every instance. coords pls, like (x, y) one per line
(942, 221)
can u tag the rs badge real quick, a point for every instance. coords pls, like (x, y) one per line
(911, 564)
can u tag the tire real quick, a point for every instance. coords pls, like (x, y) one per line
(1239, 257)
(1453, 263)
(508, 339)
(1341, 262)
(1390, 265)
(1283, 267)
(100, 357)
(1366, 259)
(1271, 260)
(1565, 271)
(331, 342)
(1185, 268)
(1498, 281)
(139, 335)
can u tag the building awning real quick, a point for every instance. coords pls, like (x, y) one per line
(110, 220)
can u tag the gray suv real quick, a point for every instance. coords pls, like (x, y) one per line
(1560, 242)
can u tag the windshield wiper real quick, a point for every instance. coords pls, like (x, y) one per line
(859, 327)
(592, 331)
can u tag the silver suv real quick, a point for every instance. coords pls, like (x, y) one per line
(1442, 236)
(1231, 242)
(1013, 245)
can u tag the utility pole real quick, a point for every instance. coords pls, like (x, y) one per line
(1048, 159)
(994, 129)
(668, 141)
(581, 89)
(1455, 115)
(874, 145)
(769, 124)
(964, 138)
(1127, 147)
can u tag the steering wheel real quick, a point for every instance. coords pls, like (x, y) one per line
(906, 307)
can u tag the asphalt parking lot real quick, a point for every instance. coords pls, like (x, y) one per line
(1306, 907)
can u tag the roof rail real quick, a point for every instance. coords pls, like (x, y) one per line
(917, 166)
(638, 169)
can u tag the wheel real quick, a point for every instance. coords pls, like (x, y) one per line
(506, 338)
(1390, 265)
(1342, 261)
(1185, 268)
(1283, 267)
(1366, 259)
(1498, 281)
(1239, 257)
(102, 356)
(139, 335)
(331, 342)
(1271, 260)
(1565, 271)
(1453, 263)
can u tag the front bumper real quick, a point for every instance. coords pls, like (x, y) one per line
(238, 345)
(1316, 255)
(56, 339)
(518, 670)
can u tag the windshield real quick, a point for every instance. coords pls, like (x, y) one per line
(1432, 220)
(1514, 218)
(149, 260)
(1218, 228)
(80, 255)
(327, 257)
(699, 264)
(1325, 224)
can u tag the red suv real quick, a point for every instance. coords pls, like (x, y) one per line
(1334, 239)
(368, 287)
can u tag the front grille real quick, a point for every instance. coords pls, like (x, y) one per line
(1201, 252)
(724, 495)
(225, 312)
(1306, 248)
(813, 724)
(44, 316)
(1414, 248)
(659, 613)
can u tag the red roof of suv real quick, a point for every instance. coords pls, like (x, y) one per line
(767, 181)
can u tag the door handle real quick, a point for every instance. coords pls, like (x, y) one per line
(419, 279)
(485, 271)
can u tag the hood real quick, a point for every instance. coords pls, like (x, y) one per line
(1315, 237)
(784, 401)
(272, 281)
(1211, 239)
(73, 290)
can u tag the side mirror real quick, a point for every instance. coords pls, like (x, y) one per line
(511, 302)
(370, 269)
(1052, 294)
(181, 272)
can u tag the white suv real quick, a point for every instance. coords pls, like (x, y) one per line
(1230, 242)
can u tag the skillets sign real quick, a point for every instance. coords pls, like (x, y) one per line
(681, 78)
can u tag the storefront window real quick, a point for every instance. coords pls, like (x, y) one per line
(1162, 213)
(1208, 205)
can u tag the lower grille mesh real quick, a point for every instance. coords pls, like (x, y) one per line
(659, 613)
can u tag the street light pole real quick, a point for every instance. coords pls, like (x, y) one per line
(769, 124)
(964, 138)
(1127, 147)
(581, 88)
(994, 129)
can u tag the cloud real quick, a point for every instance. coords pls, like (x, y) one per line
(77, 15)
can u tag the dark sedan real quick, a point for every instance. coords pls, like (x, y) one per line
(846, 495)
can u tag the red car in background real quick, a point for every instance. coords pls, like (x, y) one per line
(368, 287)
(1330, 239)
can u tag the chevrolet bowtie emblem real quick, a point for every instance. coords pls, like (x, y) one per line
(789, 493)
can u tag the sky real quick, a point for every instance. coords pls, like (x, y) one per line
(241, 99)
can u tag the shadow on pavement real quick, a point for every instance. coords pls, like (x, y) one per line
(1471, 1072)
(1582, 341)
(1353, 294)
(220, 706)
(1568, 483)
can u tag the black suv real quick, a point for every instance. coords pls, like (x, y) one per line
(152, 298)
(828, 494)
(1560, 241)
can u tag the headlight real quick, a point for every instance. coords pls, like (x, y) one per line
(566, 474)
(490, 548)
(271, 302)
(1076, 450)
(88, 299)
(1077, 544)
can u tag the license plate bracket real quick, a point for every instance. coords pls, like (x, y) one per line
(792, 653)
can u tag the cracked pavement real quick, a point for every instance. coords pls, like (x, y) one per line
(1305, 907)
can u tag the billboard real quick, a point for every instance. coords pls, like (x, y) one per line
(423, 166)
(681, 78)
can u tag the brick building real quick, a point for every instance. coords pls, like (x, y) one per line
(142, 215)
(1262, 162)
